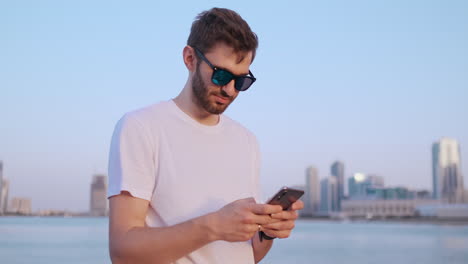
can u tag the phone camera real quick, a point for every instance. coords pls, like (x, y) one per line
(280, 196)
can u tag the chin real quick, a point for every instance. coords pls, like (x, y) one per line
(216, 109)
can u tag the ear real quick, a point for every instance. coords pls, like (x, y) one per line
(190, 58)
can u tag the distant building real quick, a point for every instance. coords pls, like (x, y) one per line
(329, 195)
(423, 194)
(337, 170)
(447, 179)
(4, 196)
(359, 184)
(98, 199)
(20, 205)
(312, 192)
(395, 193)
(1, 187)
(382, 208)
(443, 211)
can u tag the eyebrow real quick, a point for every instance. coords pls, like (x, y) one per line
(204, 58)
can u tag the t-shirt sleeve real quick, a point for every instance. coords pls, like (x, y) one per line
(132, 159)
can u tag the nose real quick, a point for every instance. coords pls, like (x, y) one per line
(229, 89)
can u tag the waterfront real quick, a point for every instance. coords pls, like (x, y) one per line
(84, 240)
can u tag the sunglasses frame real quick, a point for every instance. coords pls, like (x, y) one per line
(234, 77)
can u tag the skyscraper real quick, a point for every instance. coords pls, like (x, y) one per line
(21, 205)
(1, 187)
(4, 196)
(337, 170)
(447, 179)
(329, 195)
(312, 193)
(359, 183)
(98, 200)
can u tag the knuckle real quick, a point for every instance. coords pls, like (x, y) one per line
(296, 215)
(285, 234)
(248, 219)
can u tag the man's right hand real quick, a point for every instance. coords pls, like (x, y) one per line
(240, 220)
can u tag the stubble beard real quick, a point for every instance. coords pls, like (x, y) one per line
(202, 96)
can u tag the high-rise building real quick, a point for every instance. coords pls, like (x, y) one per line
(359, 184)
(337, 170)
(98, 200)
(1, 187)
(447, 179)
(312, 193)
(4, 196)
(20, 205)
(329, 195)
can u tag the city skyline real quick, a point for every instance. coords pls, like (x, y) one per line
(313, 184)
(372, 84)
(369, 197)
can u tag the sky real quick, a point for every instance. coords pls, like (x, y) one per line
(371, 83)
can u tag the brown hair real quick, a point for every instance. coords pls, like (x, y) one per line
(222, 25)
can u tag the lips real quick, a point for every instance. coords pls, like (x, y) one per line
(221, 99)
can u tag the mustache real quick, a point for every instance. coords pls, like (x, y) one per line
(222, 93)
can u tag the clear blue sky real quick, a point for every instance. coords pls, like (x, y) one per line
(372, 83)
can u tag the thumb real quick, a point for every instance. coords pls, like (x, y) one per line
(248, 200)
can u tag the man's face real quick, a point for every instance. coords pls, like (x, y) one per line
(212, 98)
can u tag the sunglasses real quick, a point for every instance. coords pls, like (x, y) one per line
(222, 77)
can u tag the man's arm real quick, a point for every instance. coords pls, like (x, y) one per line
(130, 241)
(281, 226)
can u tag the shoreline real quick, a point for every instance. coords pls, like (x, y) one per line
(412, 220)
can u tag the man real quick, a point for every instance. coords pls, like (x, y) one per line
(183, 178)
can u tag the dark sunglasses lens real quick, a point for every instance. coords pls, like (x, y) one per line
(243, 83)
(221, 77)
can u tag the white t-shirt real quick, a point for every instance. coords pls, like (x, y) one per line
(185, 170)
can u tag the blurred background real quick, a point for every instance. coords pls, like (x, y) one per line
(378, 87)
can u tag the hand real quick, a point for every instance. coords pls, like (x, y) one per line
(239, 220)
(285, 221)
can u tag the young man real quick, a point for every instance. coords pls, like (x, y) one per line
(183, 178)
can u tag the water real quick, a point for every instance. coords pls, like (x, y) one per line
(84, 240)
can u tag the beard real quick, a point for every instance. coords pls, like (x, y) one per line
(202, 95)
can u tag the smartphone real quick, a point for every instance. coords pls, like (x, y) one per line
(286, 197)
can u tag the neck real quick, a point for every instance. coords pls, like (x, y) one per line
(188, 105)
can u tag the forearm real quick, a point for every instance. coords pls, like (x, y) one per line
(260, 248)
(162, 244)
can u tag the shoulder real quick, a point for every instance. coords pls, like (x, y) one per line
(149, 113)
(240, 129)
(143, 121)
(148, 117)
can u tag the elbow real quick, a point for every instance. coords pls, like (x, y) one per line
(116, 254)
(119, 253)
(124, 253)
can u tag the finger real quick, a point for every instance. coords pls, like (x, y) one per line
(283, 225)
(252, 228)
(262, 219)
(266, 209)
(276, 233)
(286, 215)
(298, 205)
